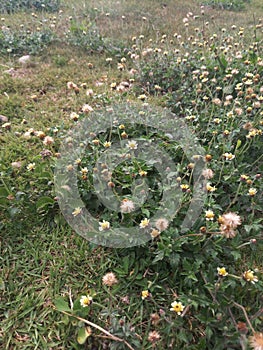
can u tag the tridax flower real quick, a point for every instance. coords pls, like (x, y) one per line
(209, 215)
(252, 192)
(155, 233)
(76, 211)
(142, 173)
(256, 341)
(210, 188)
(132, 144)
(184, 187)
(85, 300)
(31, 166)
(228, 223)
(104, 225)
(162, 224)
(249, 276)
(222, 271)
(177, 307)
(48, 140)
(231, 219)
(153, 337)
(127, 206)
(107, 144)
(109, 279)
(144, 223)
(145, 294)
(208, 173)
(229, 156)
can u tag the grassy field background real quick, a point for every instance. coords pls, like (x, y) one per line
(42, 258)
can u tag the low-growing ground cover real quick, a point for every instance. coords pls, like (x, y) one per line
(112, 73)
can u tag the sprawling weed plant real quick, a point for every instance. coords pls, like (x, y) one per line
(11, 6)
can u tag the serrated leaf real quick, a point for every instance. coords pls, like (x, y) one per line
(61, 304)
(83, 334)
(44, 201)
(159, 256)
(146, 212)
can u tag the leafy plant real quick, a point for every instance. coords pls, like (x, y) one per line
(10, 6)
(24, 41)
(234, 5)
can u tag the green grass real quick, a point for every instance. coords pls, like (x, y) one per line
(43, 259)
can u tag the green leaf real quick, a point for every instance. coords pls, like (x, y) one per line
(174, 259)
(44, 201)
(239, 142)
(159, 256)
(3, 192)
(4, 202)
(65, 320)
(146, 212)
(61, 305)
(2, 284)
(83, 334)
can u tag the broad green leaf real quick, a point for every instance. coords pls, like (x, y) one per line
(146, 212)
(61, 305)
(159, 256)
(44, 201)
(83, 334)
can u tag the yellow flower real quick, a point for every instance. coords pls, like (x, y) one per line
(209, 215)
(76, 211)
(143, 173)
(107, 144)
(145, 294)
(184, 187)
(104, 225)
(217, 120)
(84, 171)
(31, 166)
(78, 161)
(142, 97)
(252, 192)
(155, 233)
(210, 188)
(249, 276)
(132, 144)
(85, 300)
(74, 116)
(244, 177)
(228, 156)
(96, 142)
(144, 223)
(222, 271)
(177, 307)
